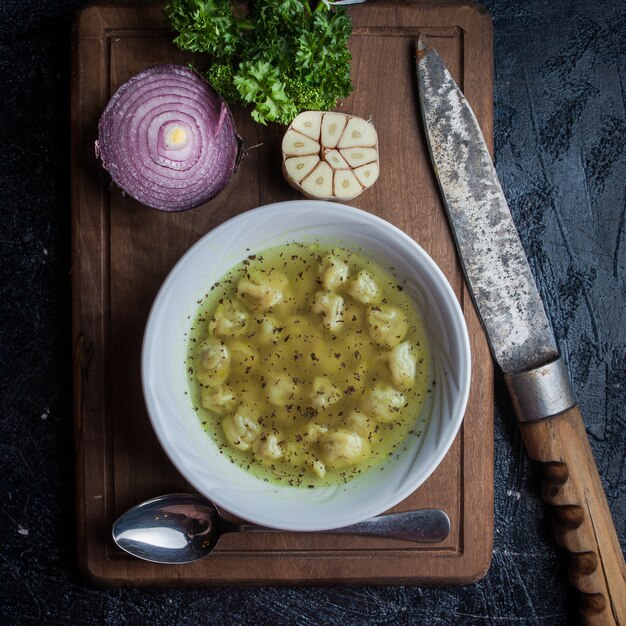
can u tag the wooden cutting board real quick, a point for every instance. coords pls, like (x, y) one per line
(122, 251)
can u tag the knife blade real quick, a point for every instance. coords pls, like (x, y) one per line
(521, 340)
(495, 264)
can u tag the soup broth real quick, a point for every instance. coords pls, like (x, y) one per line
(308, 365)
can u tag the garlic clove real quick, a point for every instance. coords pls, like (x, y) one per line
(319, 183)
(367, 175)
(298, 168)
(297, 144)
(332, 128)
(346, 186)
(335, 160)
(359, 156)
(358, 132)
(308, 123)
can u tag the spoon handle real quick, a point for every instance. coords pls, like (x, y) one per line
(422, 525)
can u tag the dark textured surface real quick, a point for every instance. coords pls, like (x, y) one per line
(560, 134)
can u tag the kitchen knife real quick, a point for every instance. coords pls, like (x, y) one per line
(521, 341)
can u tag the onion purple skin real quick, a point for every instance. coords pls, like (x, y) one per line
(132, 148)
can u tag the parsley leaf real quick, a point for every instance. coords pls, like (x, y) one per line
(258, 82)
(282, 57)
(205, 26)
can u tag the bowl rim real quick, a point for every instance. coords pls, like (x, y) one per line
(461, 334)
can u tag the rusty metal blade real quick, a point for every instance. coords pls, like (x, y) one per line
(489, 246)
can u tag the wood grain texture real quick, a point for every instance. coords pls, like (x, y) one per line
(122, 251)
(583, 523)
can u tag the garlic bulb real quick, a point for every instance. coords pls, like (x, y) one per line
(330, 156)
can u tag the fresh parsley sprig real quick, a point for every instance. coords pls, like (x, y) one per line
(282, 56)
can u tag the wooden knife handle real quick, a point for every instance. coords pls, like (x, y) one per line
(583, 523)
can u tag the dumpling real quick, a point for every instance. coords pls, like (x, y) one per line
(243, 357)
(213, 357)
(316, 467)
(388, 325)
(295, 454)
(313, 432)
(331, 306)
(220, 399)
(262, 291)
(241, 430)
(383, 403)
(359, 423)
(264, 329)
(229, 320)
(402, 364)
(324, 393)
(334, 272)
(341, 448)
(280, 389)
(268, 447)
(364, 288)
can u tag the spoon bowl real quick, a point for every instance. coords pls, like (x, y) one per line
(182, 528)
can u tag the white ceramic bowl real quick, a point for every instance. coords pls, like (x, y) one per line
(165, 381)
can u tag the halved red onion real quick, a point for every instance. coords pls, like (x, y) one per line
(168, 139)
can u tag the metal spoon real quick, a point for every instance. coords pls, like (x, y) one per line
(181, 528)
